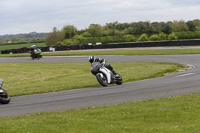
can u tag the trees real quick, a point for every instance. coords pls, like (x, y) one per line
(79, 39)
(69, 31)
(179, 26)
(95, 30)
(166, 27)
(128, 32)
(28, 37)
(143, 37)
(154, 38)
(197, 22)
(53, 37)
(191, 25)
(129, 38)
(142, 27)
(162, 36)
(172, 36)
(156, 27)
(86, 34)
(112, 25)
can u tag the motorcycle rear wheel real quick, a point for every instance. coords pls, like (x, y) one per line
(4, 97)
(103, 81)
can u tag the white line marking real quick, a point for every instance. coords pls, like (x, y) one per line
(191, 67)
(187, 74)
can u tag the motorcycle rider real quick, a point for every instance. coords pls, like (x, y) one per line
(36, 50)
(40, 52)
(33, 49)
(102, 61)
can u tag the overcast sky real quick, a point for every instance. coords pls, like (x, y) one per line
(25, 16)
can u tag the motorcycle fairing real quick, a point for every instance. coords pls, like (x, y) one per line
(107, 72)
(1, 83)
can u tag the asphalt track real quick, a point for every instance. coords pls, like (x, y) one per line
(178, 84)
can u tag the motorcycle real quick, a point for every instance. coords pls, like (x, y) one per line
(35, 55)
(4, 96)
(105, 76)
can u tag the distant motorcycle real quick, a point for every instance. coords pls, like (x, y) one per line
(35, 52)
(34, 55)
(105, 76)
(4, 96)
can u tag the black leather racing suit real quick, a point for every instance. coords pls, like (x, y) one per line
(103, 61)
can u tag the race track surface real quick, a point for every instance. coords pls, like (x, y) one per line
(172, 85)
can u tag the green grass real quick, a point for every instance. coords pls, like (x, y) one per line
(129, 52)
(178, 114)
(32, 78)
(114, 52)
(175, 114)
(16, 46)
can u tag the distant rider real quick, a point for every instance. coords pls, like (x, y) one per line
(102, 61)
(36, 50)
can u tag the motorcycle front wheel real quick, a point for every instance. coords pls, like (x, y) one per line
(4, 97)
(118, 79)
(102, 80)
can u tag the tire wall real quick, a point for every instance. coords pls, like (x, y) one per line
(195, 42)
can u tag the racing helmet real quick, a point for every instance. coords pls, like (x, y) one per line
(33, 46)
(91, 59)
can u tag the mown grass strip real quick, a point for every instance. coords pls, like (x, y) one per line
(178, 114)
(32, 78)
(16, 46)
(129, 52)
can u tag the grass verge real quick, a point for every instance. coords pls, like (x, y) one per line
(114, 52)
(32, 78)
(165, 115)
(16, 46)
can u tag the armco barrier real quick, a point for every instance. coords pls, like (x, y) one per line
(109, 45)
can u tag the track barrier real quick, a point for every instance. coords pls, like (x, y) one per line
(194, 42)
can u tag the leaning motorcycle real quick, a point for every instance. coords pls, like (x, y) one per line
(105, 76)
(4, 96)
(35, 55)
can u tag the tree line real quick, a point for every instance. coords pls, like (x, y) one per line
(23, 38)
(125, 32)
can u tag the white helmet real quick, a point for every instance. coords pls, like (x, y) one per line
(91, 59)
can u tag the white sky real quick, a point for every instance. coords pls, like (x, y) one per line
(24, 16)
